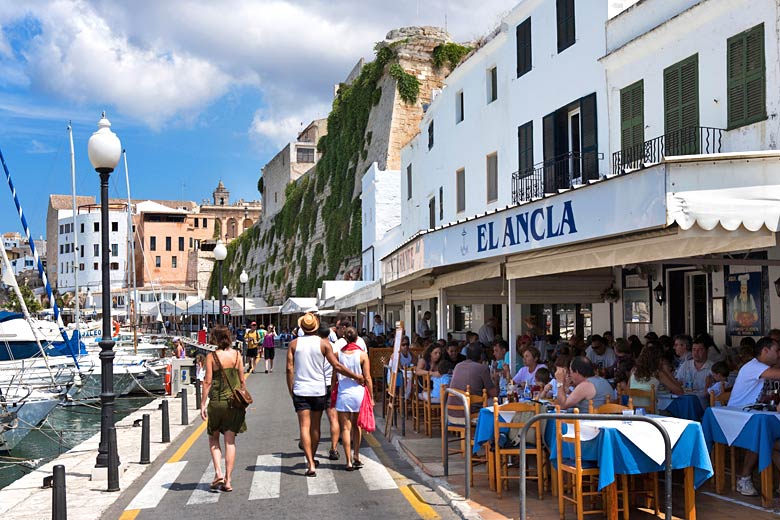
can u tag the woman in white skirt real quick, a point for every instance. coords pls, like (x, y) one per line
(350, 396)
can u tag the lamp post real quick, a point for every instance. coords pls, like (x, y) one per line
(224, 298)
(175, 327)
(243, 278)
(220, 253)
(104, 150)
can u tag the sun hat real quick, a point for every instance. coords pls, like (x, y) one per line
(253, 323)
(309, 323)
(176, 339)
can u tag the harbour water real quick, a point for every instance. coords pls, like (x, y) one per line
(63, 429)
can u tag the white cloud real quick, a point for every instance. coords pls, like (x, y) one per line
(37, 147)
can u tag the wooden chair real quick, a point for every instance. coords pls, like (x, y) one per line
(578, 472)
(611, 408)
(723, 400)
(431, 406)
(535, 449)
(649, 395)
(475, 401)
(378, 358)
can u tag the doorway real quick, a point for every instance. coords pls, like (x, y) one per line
(688, 303)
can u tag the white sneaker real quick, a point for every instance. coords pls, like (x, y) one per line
(745, 487)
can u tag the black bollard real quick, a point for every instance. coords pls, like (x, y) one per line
(145, 440)
(198, 396)
(113, 461)
(59, 510)
(166, 426)
(185, 418)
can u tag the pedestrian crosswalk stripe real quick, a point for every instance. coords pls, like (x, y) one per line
(374, 473)
(203, 494)
(325, 481)
(267, 479)
(154, 490)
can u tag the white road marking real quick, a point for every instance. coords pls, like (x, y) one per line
(203, 494)
(374, 472)
(154, 490)
(325, 481)
(267, 479)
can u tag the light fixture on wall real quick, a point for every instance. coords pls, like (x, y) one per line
(777, 286)
(660, 293)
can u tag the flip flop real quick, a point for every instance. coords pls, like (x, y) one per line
(357, 464)
(226, 489)
(310, 473)
(217, 483)
(350, 468)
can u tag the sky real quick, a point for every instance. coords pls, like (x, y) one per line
(196, 90)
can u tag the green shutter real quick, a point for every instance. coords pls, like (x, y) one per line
(746, 77)
(525, 136)
(632, 122)
(524, 47)
(565, 22)
(681, 107)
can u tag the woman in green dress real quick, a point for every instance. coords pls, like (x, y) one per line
(224, 371)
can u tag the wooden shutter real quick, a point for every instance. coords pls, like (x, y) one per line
(681, 107)
(632, 124)
(565, 21)
(524, 47)
(525, 141)
(746, 77)
(589, 137)
(460, 188)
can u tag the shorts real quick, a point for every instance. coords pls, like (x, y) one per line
(269, 352)
(327, 397)
(315, 403)
(251, 352)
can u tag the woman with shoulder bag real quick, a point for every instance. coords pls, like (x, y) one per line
(224, 373)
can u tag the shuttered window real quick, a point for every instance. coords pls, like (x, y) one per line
(589, 147)
(632, 121)
(492, 177)
(524, 47)
(460, 188)
(681, 107)
(746, 71)
(525, 140)
(565, 18)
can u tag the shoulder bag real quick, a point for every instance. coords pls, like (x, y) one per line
(240, 398)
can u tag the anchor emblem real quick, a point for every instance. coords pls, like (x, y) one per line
(464, 247)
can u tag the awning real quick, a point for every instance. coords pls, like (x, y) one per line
(752, 207)
(272, 309)
(366, 295)
(204, 308)
(252, 304)
(298, 305)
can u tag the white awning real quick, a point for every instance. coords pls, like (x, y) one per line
(752, 207)
(299, 305)
(366, 295)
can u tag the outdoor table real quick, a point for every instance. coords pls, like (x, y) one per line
(483, 432)
(624, 447)
(688, 406)
(752, 430)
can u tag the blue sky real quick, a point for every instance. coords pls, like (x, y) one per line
(196, 90)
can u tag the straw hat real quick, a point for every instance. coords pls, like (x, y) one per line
(309, 323)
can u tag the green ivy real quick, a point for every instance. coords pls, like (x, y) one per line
(449, 53)
(408, 84)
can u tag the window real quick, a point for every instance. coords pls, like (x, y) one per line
(460, 188)
(115, 226)
(305, 155)
(430, 135)
(62, 249)
(96, 227)
(441, 203)
(205, 222)
(173, 262)
(81, 228)
(409, 182)
(632, 122)
(432, 213)
(181, 243)
(523, 33)
(746, 74)
(152, 243)
(95, 249)
(525, 147)
(197, 222)
(492, 177)
(81, 267)
(114, 249)
(81, 252)
(62, 229)
(458, 108)
(492, 84)
(565, 19)
(681, 106)
(190, 242)
(114, 266)
(167, 243)
(462, 317)
(95, 266)
(157, 261)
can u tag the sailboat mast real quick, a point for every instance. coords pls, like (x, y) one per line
(132, 299)
(75, 233)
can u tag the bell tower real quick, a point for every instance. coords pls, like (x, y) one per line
(221, 195)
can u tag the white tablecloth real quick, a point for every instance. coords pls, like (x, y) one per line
(732, 419)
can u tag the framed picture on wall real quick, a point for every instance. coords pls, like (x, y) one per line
(718, 311)
(637, 305)
(745, 305)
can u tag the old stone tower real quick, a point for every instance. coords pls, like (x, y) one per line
(316, 236)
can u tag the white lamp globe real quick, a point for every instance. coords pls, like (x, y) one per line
(243, 277)
(224, 291)
(220, 251)
(104, 148)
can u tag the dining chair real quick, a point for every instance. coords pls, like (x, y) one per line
(611, 408)
(534, 446)
(431, 405)
(476, 401)
(645, 396)
(723, 400)
(578, 470)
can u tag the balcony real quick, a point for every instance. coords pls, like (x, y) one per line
(692, 140)
(560, 173)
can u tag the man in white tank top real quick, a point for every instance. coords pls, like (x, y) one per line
(307, 385)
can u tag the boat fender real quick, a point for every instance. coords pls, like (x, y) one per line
(168, 371)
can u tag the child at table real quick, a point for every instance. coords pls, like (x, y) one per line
(445, 369)
(543, 380)
(720, 374)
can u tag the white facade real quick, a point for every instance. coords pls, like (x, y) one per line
(381, 206)
(556, 80)
(87, 259)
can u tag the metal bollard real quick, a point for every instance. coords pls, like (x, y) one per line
(59, 509)
(403, 405)
(166, 426)
(198, 396)
(185, 418)
(145, 440)
(113, 461)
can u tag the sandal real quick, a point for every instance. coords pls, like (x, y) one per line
(357, 464)
(350, 468)
(310, 473)
(226, 489)
(217, 483)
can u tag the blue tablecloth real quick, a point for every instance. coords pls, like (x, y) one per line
(617, 455)
(758, 435)
(686, 406)
(483, 431)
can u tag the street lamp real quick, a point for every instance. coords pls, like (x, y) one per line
(220, 253)
(104, 150)
(243, 278)
(224, 298)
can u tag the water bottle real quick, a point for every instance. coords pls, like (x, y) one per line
(527, 391)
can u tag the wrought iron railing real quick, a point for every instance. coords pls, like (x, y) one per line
(692, 140)
(561, 172)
